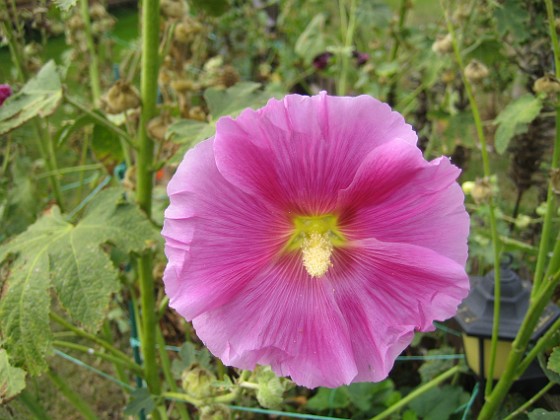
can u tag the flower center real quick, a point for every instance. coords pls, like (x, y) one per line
(316, 237)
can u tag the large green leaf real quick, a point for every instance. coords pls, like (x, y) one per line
(439, 403)
(39, 97)
(514, 119)
(12, 379)
(72, 259)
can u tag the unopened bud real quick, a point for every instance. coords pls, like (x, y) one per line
(157, 127)
(467, 187)
(197, 381)
(522, 221)
(172, 8)
(215, 412)
(443, 44)
(547, 84)
(476, 71)
(197, 113)
(97, 11)
(482, 190)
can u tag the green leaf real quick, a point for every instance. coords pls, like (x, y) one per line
(432, 368)
(73, 260)
(514, 118)
(439, 403)
(512, 17)
(327, 398)
(12, 379)
(188, 355)
(212, 7)
(554, 360)
(65, 4)
(542, 414)
(39, 97)
(106, 145)
(141, 400)
(312, 41)
(220, 102)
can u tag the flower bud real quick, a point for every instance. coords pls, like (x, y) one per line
(522, 221)
(121, 97)
(215, 412)
(197, 381)
(197, 113)
(228, 76)
(97, 11)
(157, 127)
(172, 8)
(547, 84)
(476, 71)
(482, 190)
(467, 187)
(443, 44)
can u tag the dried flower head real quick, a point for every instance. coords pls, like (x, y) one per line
(443, 44)
(548, 84)
(476, 71)
(121, 97)
(312, 236)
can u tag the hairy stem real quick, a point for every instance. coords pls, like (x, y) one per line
(94, 79)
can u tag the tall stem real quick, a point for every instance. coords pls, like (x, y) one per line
(348, 40)
(144, 176)
(492, 211)
(94, 79)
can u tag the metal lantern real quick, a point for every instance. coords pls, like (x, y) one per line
(476, 315)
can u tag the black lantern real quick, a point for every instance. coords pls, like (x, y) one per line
(476, 315)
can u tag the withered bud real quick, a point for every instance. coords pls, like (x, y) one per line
(186, 30)
(121, 97)
(482, 190)
(461, 13)
(101, 26)
(97, 11)
(448, 77)
(172, 8)
(75, 22)
(476, 71)
(443, 44)
(555, 180)
(157, 127)
(183, 85)
(228, 76)
(197, 113)
(32, 49)
(547, 84)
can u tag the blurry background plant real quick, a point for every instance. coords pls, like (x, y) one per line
(72, 135)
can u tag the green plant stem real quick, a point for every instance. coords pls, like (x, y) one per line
(547, 223)
(348, 40)
(166, 366)
(513, 365)
(81, 333)
(491, 206)
(540, 346)
(73, 397)
(403, 8)
(530, 402)
(100, 120)
(144, 186)
(15, 51)
(108, 357)
(417, 392)
(70, 170)
(46, 149)
(94, 79)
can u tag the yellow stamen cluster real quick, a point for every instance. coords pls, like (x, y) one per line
(316, 254)
(315, 237)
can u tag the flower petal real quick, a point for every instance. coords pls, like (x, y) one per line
(217, 237)
(386, 291)
(286, 319)
(297, 151)
(397, 196)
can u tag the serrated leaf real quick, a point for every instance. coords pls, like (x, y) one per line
(140, 400)
(554, 363)
(39, 97)
(312, 40)
(511, 17)
(73, 259)
(327, 398)
(12, 379)
(514, 118)
(65, 4)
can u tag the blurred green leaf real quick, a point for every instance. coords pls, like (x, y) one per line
(65, 4)
(39, 97)
(140, 400)
(12, 379)
(542, 414)
(212, 7)
(432, 368)
(72, 259)
(106, 145)
(327, 398)
(188, 354)
(514, 118)
(439, 403)
(554, 360)
(511, 18)
(312, 41)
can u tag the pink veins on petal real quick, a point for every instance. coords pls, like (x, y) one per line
(312, 236)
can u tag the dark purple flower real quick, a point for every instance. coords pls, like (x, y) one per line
(361, 58)
(5, 93)
(321, 61)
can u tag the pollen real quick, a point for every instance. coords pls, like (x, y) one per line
(316, 253)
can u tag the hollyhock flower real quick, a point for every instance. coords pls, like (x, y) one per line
(5, 93)
(312, 236)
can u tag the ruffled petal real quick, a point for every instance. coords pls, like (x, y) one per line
(386, 291)
(397, 196)
(298, 151)
(288, 320)
(217, 237)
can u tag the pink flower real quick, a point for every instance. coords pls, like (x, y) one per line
(5, 93)
(311, 235)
